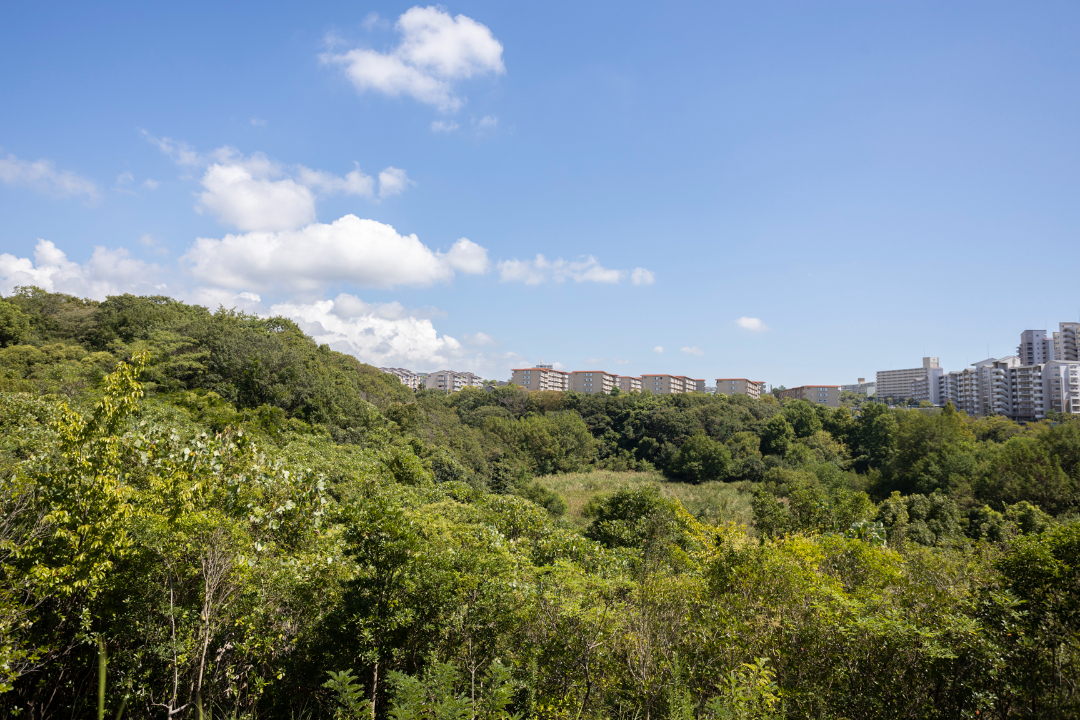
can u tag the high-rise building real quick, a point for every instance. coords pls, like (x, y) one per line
(593, 381)
(1066, 341)
(451, 381)
(914, 383)
(1005, 386)
(1035, 347)
(541, 377)
(740, 386)
(823, 394)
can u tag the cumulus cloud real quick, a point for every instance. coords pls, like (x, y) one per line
(376, 334)
(361, 252)
(658, 349)
(488, 122)
(238, 197)
(106, 272)
(436, 50)
(539, 270)
(641, 276)
(393, 181)
(43, 177)
(751, 323)
(691, 350)
(255, 193)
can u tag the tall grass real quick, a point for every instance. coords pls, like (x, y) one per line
(713, 502)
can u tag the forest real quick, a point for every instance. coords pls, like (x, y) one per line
(207, 514)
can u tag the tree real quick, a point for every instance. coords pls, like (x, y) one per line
(14, 325)
(802, 417)
(700, 458)
(777, 436)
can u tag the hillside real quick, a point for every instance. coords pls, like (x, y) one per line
(255, 524)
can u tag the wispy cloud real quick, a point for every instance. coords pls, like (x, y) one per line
(658, 349)
(691, 350)
(43, 177)
(540, 270)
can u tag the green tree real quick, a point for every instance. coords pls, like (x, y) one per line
(777, 436)
(14, 325)
(700, 458)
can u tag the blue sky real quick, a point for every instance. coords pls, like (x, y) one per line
(861, 183)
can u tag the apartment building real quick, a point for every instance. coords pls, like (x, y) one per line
(917, 384)
(1061, 386)
(628, 384)
(411, 380)
(671, 384)
(593, 381)
(451, 381)
(969, 389)
(1066, 342)
(828, 395)
(862, 387)
(1035, 347)
(541, 378)
(740, 386)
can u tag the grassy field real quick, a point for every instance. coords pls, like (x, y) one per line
(714, 502)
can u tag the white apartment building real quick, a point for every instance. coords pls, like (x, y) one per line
(593, 381)
(862, 387)
(541, 378)
(915, 383)
(1024, 393)
(740, 386)
(1035, 347)
(671, 384)
(450, 381)
(408, 378)
(1066, 342)
(628, 384)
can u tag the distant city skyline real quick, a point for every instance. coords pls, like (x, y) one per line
(800, 193)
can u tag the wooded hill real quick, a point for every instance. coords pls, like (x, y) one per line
(253, 525)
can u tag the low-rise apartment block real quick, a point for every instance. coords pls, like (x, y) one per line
(671, 384)
(541, 378)
(451, 381)
(913, 383)
(627, 384)
(740, 386)
(828, 395)
(408, 378)
(593, 381)
(862, 387)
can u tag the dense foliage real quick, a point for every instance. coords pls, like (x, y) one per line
(234, 520)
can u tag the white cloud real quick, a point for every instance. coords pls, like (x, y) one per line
(354, 183)
(435, 51)
(393, 181)
(43, 177)
(693, 350)
(151, 184)
(751, 323)
(237, 197)
(124, 178)
(534, 272)
(488, 122)
(258, 122)
(376, 334)
(658, 349)
(107, 272)
(480, 339)
(361, 252)
(444, 126)
(641, 276)
(255, 193)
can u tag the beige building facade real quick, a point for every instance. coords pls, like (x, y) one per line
(740, 386)
(411, 380)
(451, 381)
(541, 378)
(828, 395)
(628, 384)
(920, 383)
(593, 381)
(671, 384)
